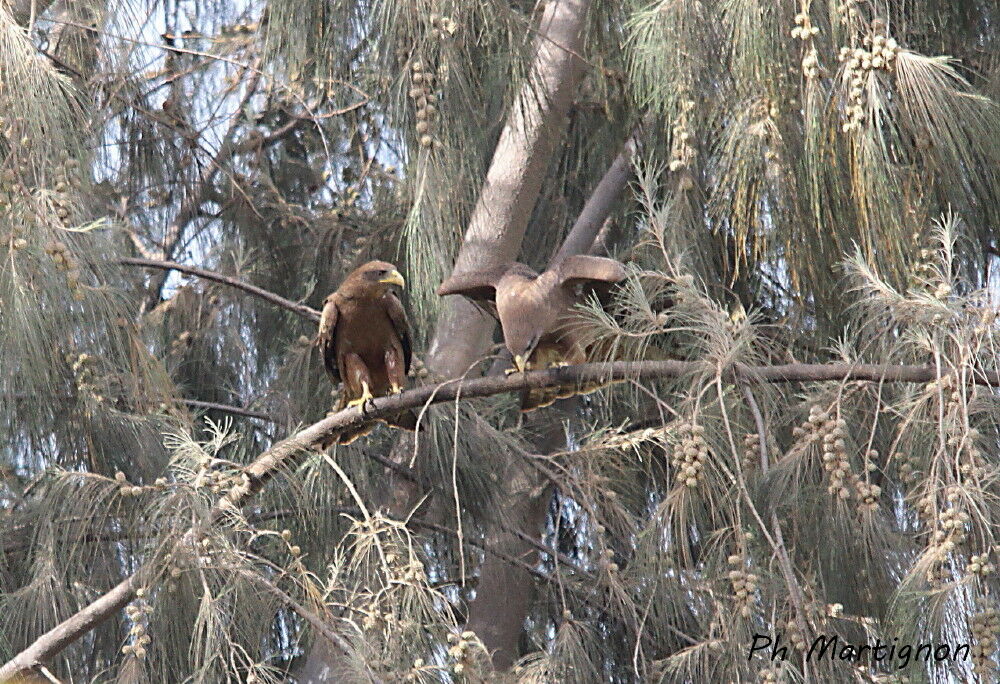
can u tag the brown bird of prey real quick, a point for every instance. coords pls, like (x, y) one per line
(365, 340)
(540, 327)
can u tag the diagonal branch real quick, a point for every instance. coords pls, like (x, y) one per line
(535, 123)
(288, 452)
(598, 206)
(300, 309)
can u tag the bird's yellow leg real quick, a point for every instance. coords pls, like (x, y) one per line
(366, 395)
(558, 364)
(395, 389)
(520, 365)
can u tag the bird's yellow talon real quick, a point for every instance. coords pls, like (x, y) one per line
(366, 396)
(395, 389)
(511, 371)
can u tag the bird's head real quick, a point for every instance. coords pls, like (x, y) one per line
(380, 274)
(523, 313)
(521, 337)
(521, 345)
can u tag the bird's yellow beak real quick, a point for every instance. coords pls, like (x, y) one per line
(520, 363)
(394, 278)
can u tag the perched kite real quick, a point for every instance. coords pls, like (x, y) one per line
(365, 340)
(540, 327)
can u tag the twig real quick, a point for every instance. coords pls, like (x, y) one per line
(758, 419)
(226, 408)
(294, 307)
(486, 548)
(309, 616)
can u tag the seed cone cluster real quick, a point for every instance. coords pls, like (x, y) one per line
(949, 525)
(137, 613)
(425, 102)
(744, 583)
(64, 261)
(683, 153)
(984, 626)
(689, 455)
(860, 64)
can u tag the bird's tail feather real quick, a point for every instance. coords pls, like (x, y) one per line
(532, 399)
(347, 435)
(406, 420)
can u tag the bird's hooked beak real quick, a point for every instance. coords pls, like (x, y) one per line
(394, 278)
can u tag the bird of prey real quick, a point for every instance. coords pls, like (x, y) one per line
(365, 341)
(540, 328)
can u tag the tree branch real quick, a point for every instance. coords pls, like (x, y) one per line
(68, 631)
(535, 123)
(598, 206)
(287, 453)
(226, 408)
(294, 307)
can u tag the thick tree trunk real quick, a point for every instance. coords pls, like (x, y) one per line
(536, 122)
(494, 235)
(506, 592)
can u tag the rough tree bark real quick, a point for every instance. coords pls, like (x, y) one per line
(537, 120)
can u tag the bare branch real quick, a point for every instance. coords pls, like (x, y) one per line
(588, 224)
(68, 631)
(294, 307)
(226, 408)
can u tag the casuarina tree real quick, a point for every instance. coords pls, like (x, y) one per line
(774, 448)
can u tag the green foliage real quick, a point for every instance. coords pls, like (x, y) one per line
(816, 183)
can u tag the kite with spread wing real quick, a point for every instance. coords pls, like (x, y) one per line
(536, 311)
(365, 340)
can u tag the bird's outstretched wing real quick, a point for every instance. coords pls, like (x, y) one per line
(584, 267)
(590, 274)
(480, 287)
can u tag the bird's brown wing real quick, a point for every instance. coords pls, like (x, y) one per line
(583, 267)
(325, 338)
(586, 274)
(480, 287)
(394, 308)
